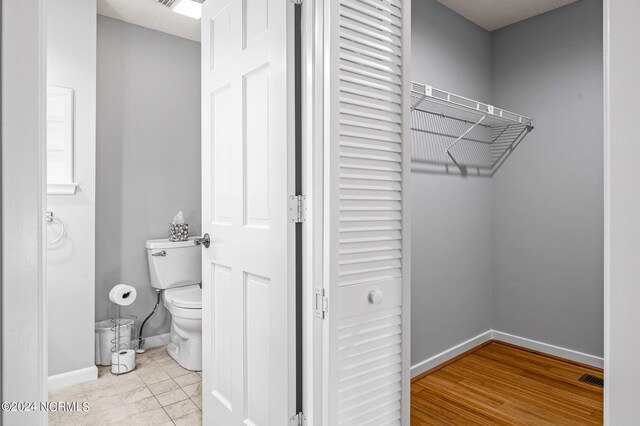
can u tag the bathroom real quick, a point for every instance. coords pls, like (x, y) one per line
(136, 152)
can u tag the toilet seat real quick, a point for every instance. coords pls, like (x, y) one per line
(190, 298)
(184, 302)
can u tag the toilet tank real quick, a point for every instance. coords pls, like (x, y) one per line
(174, 263)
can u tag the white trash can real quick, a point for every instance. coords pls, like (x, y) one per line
(105, 336)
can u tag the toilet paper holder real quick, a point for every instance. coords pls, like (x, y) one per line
(123, 355)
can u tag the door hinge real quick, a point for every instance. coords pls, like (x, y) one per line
(297, 208)
(320, 303)
(298, 420)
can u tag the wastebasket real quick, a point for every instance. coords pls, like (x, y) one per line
(105, 336)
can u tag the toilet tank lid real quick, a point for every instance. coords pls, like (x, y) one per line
(165, 243)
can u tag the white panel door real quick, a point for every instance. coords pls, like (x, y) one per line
(248, 271)
(367, 165)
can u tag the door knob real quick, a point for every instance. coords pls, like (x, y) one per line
(375, 297)
(205, 241)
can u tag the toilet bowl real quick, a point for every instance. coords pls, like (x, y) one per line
(174, 267)
(185, 306)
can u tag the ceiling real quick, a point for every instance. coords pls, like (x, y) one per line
(151, 14)
(489, 14)
(494, 14)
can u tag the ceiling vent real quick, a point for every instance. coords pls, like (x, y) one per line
(170, 3)
(190, 8)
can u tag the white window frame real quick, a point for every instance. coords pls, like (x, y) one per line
(65, 184)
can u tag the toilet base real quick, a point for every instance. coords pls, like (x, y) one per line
(186, 352)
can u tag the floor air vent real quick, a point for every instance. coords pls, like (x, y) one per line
(592, 380)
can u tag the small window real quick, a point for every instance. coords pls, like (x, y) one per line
(60, 115)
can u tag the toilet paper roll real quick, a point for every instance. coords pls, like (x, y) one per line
(122, 294)
(123, 361)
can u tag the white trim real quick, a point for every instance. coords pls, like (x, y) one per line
(70, 378)
(450, 353)
(24, 292)
(312, 183)
(535, 345)
(157, 341)
(406, 212)
(549, 349)
(607, 205)
(61, 188)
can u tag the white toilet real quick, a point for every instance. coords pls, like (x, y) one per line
(174, 266)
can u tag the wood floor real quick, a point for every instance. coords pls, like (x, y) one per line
(500, 384)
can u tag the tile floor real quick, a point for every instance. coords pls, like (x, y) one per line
(158, 392)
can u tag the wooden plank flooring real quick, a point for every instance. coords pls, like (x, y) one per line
(501, 384)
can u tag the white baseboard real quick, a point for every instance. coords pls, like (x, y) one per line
(546, 348)
(64, 380)
(453, 352)
(157, 341)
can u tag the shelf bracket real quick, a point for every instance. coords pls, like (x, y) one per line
(525, 131)
(446, 151)
(428, 91)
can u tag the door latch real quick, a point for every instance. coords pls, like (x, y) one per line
(320, 303)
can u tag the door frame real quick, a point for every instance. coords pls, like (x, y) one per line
(621, 210)
(312, 187)
(24, 292)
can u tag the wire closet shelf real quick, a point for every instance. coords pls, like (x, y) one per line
(451, 130)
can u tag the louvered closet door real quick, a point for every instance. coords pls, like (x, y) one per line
(366, 222)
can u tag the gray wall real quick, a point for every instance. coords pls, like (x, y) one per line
(548, 196)
(148, 154)
(71, 62)
(451, 215)
(522, 252)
